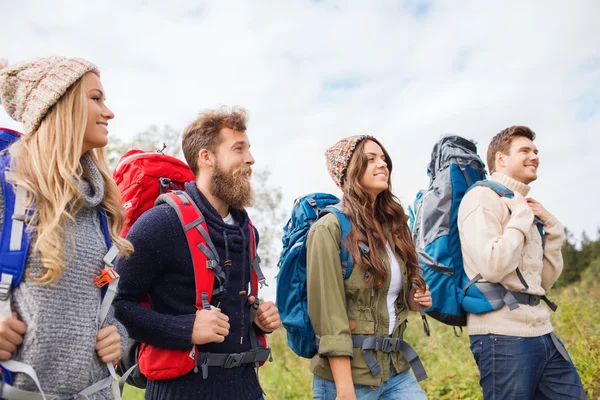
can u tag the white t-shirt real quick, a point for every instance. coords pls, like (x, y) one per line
(395, 287)
(229, 219)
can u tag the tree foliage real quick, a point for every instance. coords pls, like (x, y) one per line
(578, 259)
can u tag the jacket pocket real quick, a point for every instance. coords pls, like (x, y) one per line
(362, 327)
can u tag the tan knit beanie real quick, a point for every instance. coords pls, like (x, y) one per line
(29, 89)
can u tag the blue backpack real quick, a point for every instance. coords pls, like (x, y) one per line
(454, 169)
(291, 296)
(15, 240)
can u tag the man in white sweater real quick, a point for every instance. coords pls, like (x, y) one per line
(518, 355)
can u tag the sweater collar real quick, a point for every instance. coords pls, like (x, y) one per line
(92, 183)
(511, 183)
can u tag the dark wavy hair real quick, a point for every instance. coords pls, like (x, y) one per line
(387, 210)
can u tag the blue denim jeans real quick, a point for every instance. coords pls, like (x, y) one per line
(402, 386)
(524, 368)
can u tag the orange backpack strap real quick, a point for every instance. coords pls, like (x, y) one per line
(205, 258)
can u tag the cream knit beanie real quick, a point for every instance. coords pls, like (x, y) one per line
(29, 89)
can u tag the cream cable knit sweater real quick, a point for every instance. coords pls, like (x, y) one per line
(494, 242)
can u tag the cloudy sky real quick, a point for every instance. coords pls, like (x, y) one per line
(312, 72)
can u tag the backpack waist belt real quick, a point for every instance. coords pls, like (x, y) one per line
(533, 300)
(9, 392)
(368, 344)
(233, 360)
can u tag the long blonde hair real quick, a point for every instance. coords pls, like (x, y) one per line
(47, 164)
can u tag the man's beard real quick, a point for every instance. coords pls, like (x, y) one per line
(233, 188)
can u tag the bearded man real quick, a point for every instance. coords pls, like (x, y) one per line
(217, 150)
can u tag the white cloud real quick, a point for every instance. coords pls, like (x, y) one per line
(313, 72)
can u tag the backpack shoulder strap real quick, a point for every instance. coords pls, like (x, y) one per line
(345, 226)
(14, 237)
(205, 258)
(503, 191)
(500, 189)
(258, 278)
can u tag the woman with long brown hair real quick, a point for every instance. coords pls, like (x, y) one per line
(360, 320)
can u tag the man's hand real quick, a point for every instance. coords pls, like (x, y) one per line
(538, 210)
(267, 316)
(108, 344)
(416, 298)
(516, 201)
(11, 335)
(210, 326)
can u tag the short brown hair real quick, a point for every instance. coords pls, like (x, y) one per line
(502, 141)
(204, 132)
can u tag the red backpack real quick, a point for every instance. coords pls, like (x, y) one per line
(142, 176)
(145, 179)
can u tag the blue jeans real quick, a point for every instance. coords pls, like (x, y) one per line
(524, 368)
(402, 386)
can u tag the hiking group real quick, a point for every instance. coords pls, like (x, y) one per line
(152, 273)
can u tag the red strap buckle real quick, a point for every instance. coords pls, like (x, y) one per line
(105, 277)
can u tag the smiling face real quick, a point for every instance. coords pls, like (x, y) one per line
(376, 177)
(96, 130)
(522, 161)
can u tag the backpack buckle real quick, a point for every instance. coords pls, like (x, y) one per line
(386, 345)
(5, 285)
(106, 277)
(233, 360)
(211, 264)
(534, 300)
(164, 182)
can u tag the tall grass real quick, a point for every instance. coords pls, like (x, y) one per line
(452, 371)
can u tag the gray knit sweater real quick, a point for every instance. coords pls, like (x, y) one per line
(61, 318)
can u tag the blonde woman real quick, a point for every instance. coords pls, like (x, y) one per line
(61, 165)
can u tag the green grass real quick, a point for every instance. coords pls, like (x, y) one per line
(448, 360)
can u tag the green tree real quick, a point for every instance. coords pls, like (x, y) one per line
(571, 257)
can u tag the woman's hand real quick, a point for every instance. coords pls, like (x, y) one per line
(11, 335)
(108, 344)
(417, 298)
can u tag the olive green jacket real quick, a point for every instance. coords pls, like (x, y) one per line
(339, 308)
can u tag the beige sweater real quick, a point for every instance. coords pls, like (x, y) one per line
(494, 242)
